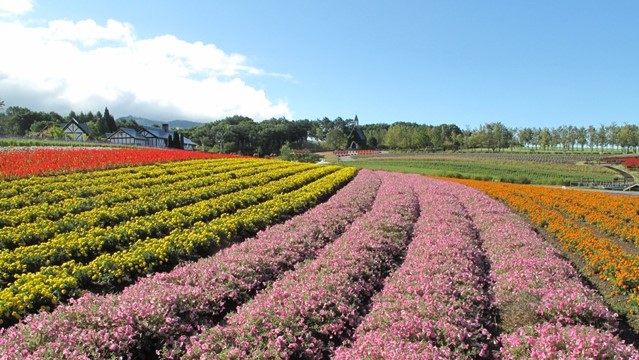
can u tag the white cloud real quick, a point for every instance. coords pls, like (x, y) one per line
(84, 66)
(14, 7)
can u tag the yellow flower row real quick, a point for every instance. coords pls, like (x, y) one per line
(38, 190)
(45, 288)
(126, 202)
(69, 179)
(206, 203)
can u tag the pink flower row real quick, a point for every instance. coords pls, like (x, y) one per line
(543, 305)
(311, 310)
(556, 341)
(161, 311)
(437, 304)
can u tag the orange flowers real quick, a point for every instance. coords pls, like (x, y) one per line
(600, 227)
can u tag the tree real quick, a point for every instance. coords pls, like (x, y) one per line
(395, 137)
(582, 137)
(436, 137)
(545, 138)
(285, 152)
(376, 132)
(627, 137)
(221, 132)
(602, 137)
(496, 136)
(612, 132)
(100, 127)
(336, 140)
(18, 120)
(175, 141)
(525, 136)
(111, 126)
(372, 142)
(127, 123)
(592, 137)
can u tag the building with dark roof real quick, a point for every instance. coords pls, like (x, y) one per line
(76, 131)
(159, 137)
(356, 138)
(127, 136)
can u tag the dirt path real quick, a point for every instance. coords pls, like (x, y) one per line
(627, 177)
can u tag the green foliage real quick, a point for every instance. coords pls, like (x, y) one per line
(109, 120)
(336, 140)
(502, 168)
(241, 135)
(285, 152)
(127, 123)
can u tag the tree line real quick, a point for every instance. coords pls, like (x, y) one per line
(21, 121)
(243, 135)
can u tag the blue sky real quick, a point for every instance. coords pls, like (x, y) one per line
(522, 63)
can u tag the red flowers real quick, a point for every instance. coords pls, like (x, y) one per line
(43, 161)
(631, 161)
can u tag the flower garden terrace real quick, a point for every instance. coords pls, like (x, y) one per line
(251, 258)
(546, 169)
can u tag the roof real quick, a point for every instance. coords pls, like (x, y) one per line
(161, 134)
(131, 132)
(82, 126)
(157, 132)
(360, 133)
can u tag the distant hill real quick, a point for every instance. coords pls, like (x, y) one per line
(173, 124)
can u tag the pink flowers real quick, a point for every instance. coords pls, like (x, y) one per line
(437, 304)
(545, 310)
(159, 311)
(391, 267)
(554, 341)
(315, 307)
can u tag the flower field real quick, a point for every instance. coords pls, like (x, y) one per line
(23, 162)
(521, 168)
(600, 228)
(160, 215)
(629, 161)
(323, 264)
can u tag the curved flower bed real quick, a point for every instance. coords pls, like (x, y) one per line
(87, 235)
(604, 255)
(555, 341)
(43, 289)
(539, 295)
(90, 197)
(38, 190)
(471, 279)
(437, 304)
(159, 311)
(312, 309)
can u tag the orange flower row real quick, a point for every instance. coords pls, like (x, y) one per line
(576, 219)
(613, 214)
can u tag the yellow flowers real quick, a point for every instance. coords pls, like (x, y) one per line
(192, 209)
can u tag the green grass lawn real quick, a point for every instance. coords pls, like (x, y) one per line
(543, 170)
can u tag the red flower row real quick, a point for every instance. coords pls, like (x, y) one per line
(45, 161)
